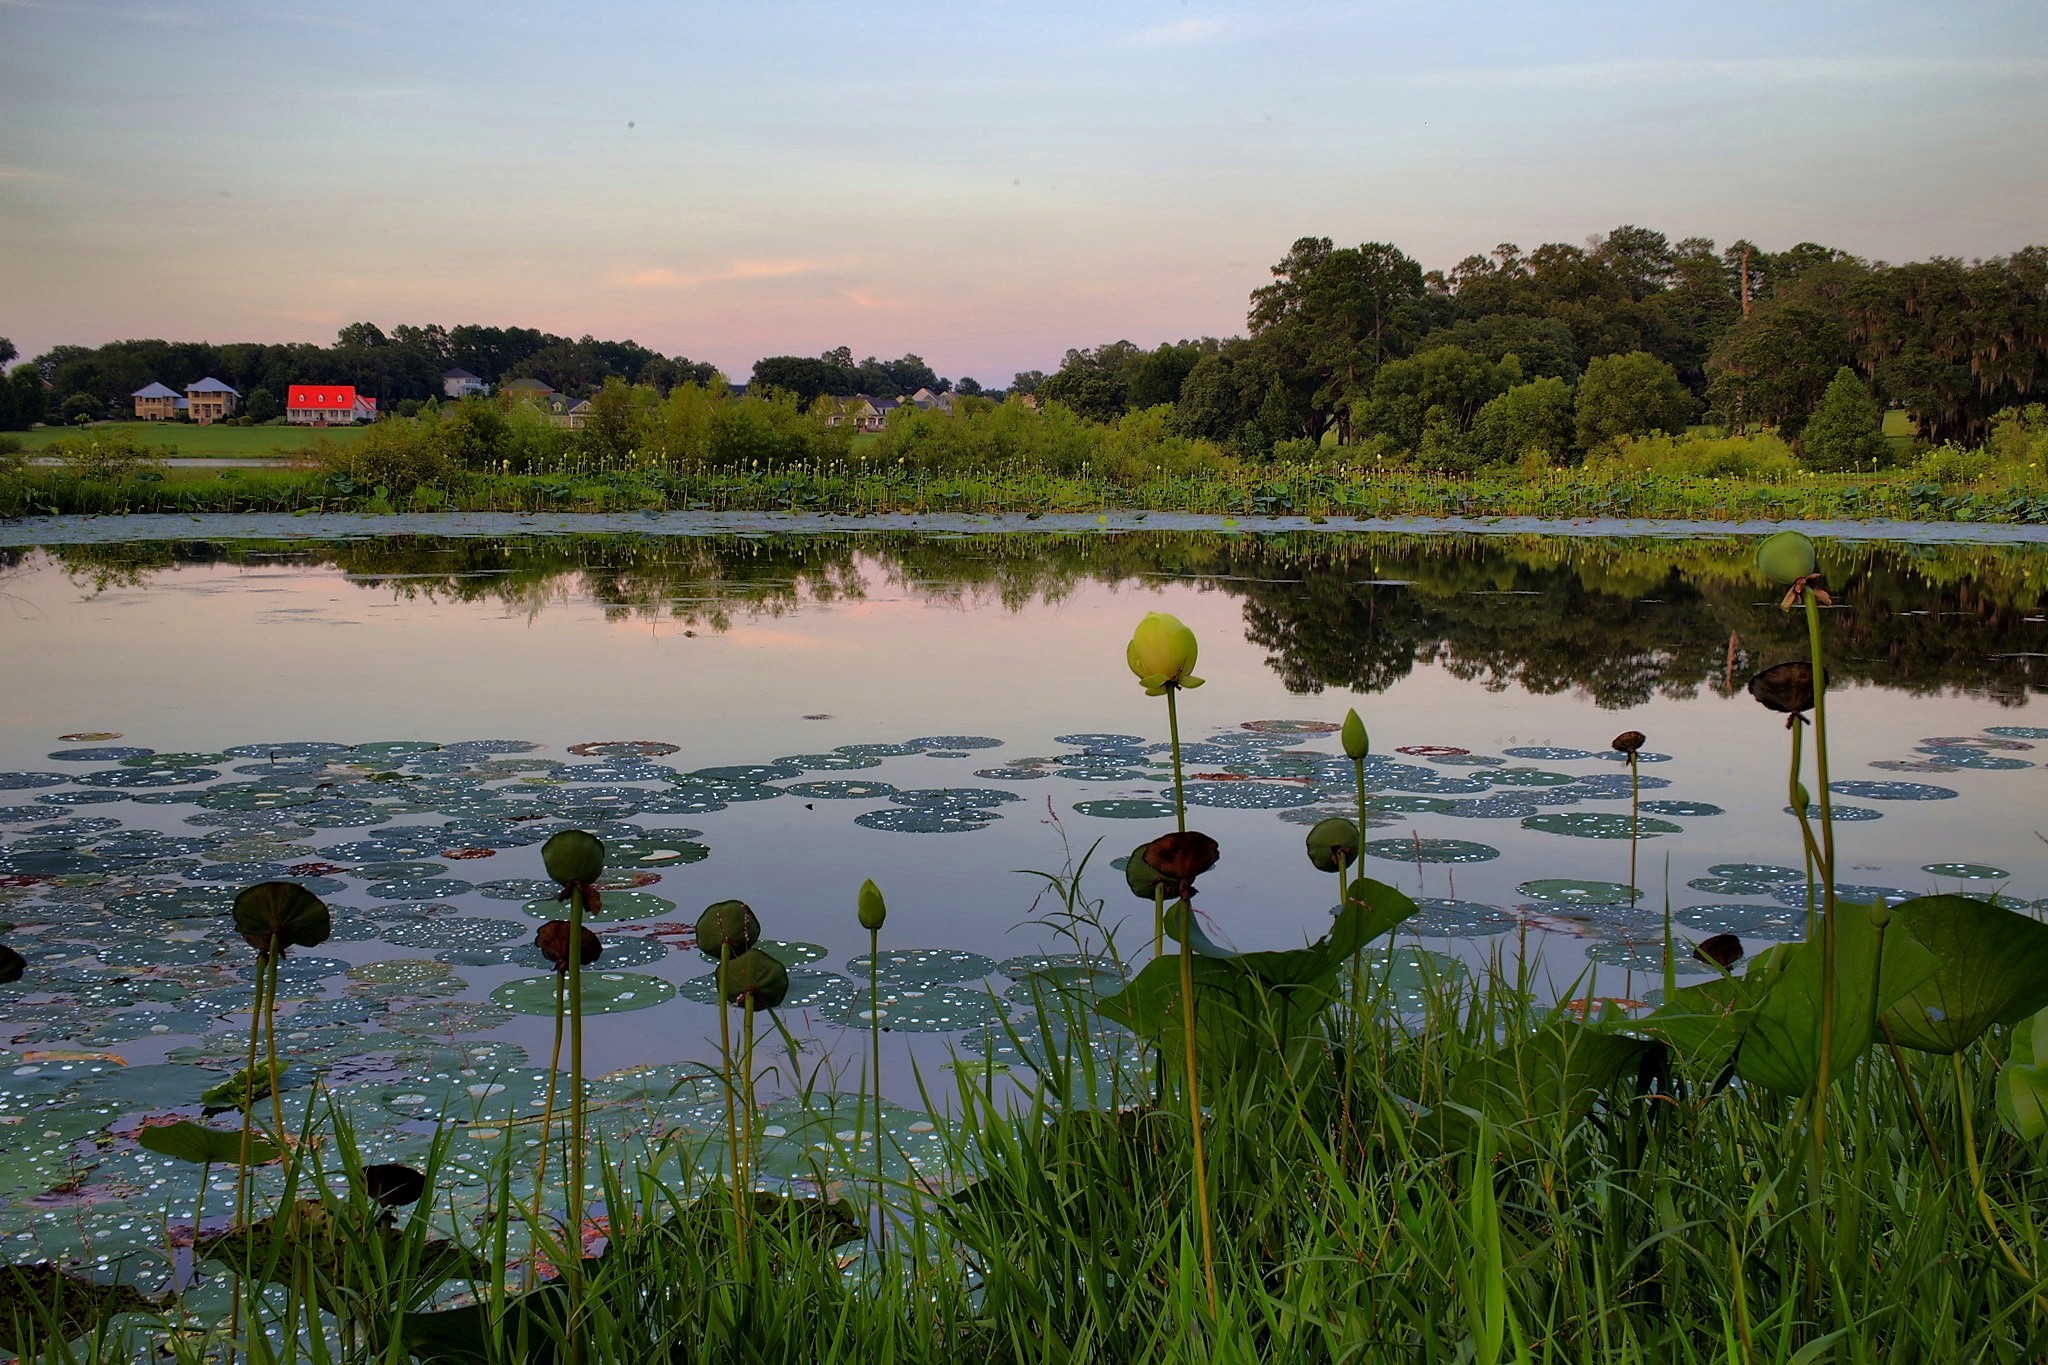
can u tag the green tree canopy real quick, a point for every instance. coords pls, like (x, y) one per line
(1629, 395)
(1846, 431)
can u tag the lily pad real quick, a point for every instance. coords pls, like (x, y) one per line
(1966, 871)
(603, 993)
(1689, 809)
(906, 1008)
(2018, 731)
(617, 907)
(1847, 815)
(420, 888)
(656, 849)
(400, 974)
(1439, 918)
(14, 782)
(1856, 893)
(1250, 795)
(1504, 806)
(961, 742)
(909, 820)
(1529, 777)
(829, 763)
(1430, 851)
(455, 931)
(1547, 753)
(923, 965)
(1893, 791)
(1134, 808)
(1586, 824)
(1574, 891)
(1776, 922)
(841, 789)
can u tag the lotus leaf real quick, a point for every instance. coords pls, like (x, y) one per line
(1993, 969)
(37, 1298)
(603, 993)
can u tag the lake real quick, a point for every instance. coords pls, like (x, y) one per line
(774, 716)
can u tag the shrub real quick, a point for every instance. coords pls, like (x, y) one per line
(397, 455)
(107, 456)
(1529, 419)
(1846, 430)
(1629, 395)
(1762, 456)
(1952, 465)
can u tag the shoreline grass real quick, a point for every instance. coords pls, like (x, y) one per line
(848, 491)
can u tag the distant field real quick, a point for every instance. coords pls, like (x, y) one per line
(196, 442)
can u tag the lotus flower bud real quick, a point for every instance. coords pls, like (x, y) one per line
(1162, 653)
(730, 925)
(1785, 558)
(1356, 743)
(573, 857)
(1333, 844)
(756, 978)
(872, 910)
(1880, 914)
(1805, 797)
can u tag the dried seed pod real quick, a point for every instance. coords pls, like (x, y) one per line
(393, 1184)
(1723, 950)
(1629, 741)
(1786, 688)
(1180, 858)
(552, 939)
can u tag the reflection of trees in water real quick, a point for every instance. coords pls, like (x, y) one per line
(1620, 621)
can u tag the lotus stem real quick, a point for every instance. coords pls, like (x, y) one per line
(1187, 999)
(1635, 816)
(1180, 805)
(547, 1112)
(732, 1125)
(573, 1272)
(1159, 919)
(270, 1044)
(875, 1052)
(1827, 867)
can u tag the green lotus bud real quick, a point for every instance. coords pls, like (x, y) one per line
(1805, 798)
(1162, 653)
(1880, 914)
(872, 909)
(729, 925)
(1333, 844)
(756, 978)
(573, 857)
(1143, 878)
(1785, 558)
(1356, 743)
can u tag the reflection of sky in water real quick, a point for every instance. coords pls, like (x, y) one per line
(208, 656)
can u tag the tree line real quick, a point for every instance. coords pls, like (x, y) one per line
(1549, 352)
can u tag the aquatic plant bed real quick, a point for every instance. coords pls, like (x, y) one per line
(1515, 1086)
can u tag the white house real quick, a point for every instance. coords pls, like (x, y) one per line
(461, 383)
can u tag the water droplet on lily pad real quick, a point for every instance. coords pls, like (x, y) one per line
(603, 992)
(906, 820)
(1893, 791)
(1430, 850)
(617, 907)
(1133, 808)
(1573, 891)
(1966, 871)
(1586, 824)
(841, 789)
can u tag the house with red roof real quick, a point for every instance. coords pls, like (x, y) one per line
(328, 405)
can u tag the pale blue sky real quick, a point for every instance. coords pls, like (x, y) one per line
(984, 183)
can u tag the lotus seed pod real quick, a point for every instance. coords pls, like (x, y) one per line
(756, 978)
(1333, 844)
(1786, 688)
(12, 965)
(573, 857)
(872, 909)
(1785, 558)
(394, 1184)
(552, 939)
(728, 924)
(1629, 741)
(1162, 653)
(1356, 742)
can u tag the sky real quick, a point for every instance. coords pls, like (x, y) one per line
(982, 182)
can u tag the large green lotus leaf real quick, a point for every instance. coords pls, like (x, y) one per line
(1255, 1008)
(1543, 1082)
(1703, 1024)
(532, 1325)
(1994, 970)
(36, 1298)
(1874, 970)
(2023, 1080)
(199, 1144)
(603, 993)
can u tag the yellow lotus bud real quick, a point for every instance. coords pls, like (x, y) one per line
(1162, 654)
(1357, 744)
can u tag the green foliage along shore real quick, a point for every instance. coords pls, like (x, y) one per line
(709, 449)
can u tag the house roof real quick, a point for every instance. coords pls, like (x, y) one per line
(458, 374)
(525, 386)
(325, 397)
(155, 390)
(211, 385)
(583, 406)
(179, 402)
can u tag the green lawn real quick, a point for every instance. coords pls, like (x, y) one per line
(216, 441)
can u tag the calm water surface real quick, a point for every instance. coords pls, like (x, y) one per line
(1492, 677)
